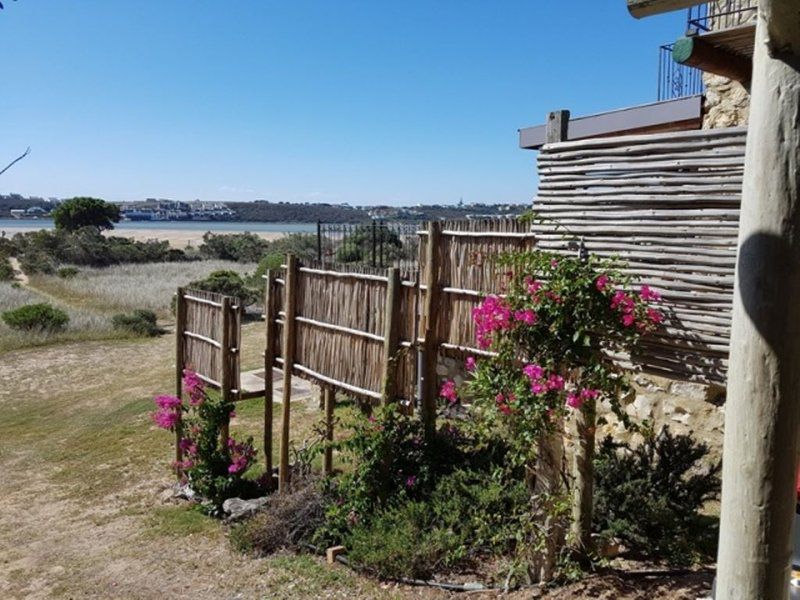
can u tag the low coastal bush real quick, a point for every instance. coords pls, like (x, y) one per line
(6, 270)
(238, 247)
(36, 317)
(650, 496)
(228, 283)
(67, 272)
(139, 322)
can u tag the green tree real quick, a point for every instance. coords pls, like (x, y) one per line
(75, 213)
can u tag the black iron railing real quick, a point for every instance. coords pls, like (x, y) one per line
(676, 80)
(373, 244)
(713, 16)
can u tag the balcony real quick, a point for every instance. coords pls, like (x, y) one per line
(720, 15)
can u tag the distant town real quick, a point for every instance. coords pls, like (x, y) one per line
(20, 207)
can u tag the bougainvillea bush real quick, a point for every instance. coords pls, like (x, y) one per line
(214, 467)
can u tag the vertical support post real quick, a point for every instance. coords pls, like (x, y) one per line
(374, 240)
(762, 413)
(289, 324)
(391, 336)
(329, 396)
(225, 363)
(269, 361)
(319, 241)
(180, 327)
(430, 325)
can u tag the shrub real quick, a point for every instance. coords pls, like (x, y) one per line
(67, 272)
(36, 317)
(650, 496)
(139, 322)
(239, 247)
(75, 213)
(287, 522)
(37, 262)
(6, 270)
(228, 283)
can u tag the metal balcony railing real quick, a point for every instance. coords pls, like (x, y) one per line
(720, 14)
(676, 80)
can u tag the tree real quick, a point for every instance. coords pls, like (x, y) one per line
(85, 212)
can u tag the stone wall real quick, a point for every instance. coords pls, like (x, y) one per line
(727, 102)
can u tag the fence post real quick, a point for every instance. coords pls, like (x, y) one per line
(225, 364)
(391, 336)
(329, 395)
(289, 308)
(374, 240)
(430, 323)
(269, 361)
(319, 241)
(180, 327)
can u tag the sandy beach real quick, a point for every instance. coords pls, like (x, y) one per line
(178, 238)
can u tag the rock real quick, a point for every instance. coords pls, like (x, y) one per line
(238, 509)
(643, 405)
(685, 389)
(473, 586)
(177, 491)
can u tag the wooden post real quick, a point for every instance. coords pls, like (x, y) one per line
(391, 336)
(330, 404)
(180, 327)
(762, 413)
(225, 364)
(289, 323)
(269, 361)
(430, 322)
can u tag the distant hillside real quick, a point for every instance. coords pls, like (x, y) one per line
(261, 210)
(11, 201)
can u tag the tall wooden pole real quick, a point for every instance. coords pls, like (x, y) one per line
(225, 364)
(329, 400)
(391, 336)
(763, 406)
(290, 289)
(180, 327)
(269, 361)
(430, 325)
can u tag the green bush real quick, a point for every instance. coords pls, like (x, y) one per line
(139, 322)
(650, 496)
(6, 270)
(36, 317)
(67, 272)
(37, 262)
(239, 247)
(228, 283)
(75, 213)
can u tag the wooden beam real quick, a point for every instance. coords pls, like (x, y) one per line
(696, 52)
(269, 361)
(762, 412)
(430, 325)
(180, 326)
(391, 336)
(289, 325)
(648, 8)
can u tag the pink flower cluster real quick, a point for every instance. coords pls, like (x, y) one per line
(493, 314)
(577, 398)
(541, 381)
(470, 364)
(241, 453)
(448, 391)
(168, 413)
(503, 403)
(194, 387)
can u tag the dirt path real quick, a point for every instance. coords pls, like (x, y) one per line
(19, 274)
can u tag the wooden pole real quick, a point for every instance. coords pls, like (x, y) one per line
(762, 414)
(430, 322)
(180, 327)
(269, 360)
(225, 363)
(290, 290)
(694, 51)
(330, 403)
(391, 336)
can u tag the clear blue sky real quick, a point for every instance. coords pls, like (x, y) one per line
(364, 101)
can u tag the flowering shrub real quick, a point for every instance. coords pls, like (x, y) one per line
(214, 467)
(552, 332)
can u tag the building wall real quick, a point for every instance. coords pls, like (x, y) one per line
(727, 103)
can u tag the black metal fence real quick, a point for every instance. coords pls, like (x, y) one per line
(676, 80)
(713, 16)
(374, 244)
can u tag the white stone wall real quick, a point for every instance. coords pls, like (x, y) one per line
(727, 102)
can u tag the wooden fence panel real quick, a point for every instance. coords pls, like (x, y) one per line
(668, 206)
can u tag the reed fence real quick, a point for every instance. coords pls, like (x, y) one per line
(667, 205)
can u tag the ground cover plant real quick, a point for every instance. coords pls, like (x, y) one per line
(139, 322)
(40, 317)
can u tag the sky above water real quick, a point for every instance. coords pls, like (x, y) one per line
(365, 102)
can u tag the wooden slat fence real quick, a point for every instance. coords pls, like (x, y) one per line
(668, 206)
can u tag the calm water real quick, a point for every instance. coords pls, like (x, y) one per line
(10, 225)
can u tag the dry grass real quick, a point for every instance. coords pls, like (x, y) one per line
(128, 287)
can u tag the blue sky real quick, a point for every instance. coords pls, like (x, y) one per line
(365, 102)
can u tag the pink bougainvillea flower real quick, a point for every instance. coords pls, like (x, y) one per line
(527, 316)
(649, 295)
(169, 402)
(551, 295)
(554, 263)
(588, 393)
(448, 391)
(533, 372)
(628, 319)
(411, 481)
(555, 382)
(532, 286)
(194, 387)
(538, 388)
(655, 316)
(166, 418)
(241, 455)
(574, 400)
(601, 283)
(491, 315)
(470, 364)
